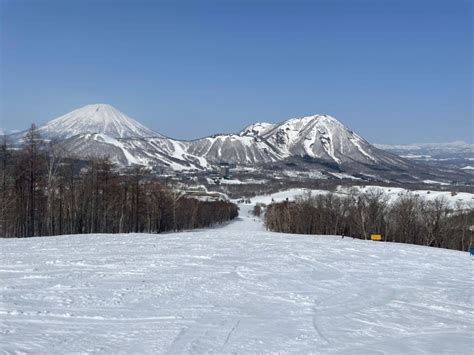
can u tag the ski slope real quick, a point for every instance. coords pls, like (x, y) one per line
(234, 289)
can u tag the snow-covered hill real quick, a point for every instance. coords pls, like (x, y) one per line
(236, 289)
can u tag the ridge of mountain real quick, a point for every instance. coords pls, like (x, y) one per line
(310, 143)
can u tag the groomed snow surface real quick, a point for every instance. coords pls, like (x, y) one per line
(235, 289)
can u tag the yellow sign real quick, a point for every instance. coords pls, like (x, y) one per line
(376, 237)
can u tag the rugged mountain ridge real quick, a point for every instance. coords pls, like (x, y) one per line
(319, 138)
(324, 137)
(312, 142)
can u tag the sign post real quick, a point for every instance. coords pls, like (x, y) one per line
(376, 237)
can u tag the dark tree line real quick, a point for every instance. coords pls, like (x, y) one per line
(42, 193)
(409, 219)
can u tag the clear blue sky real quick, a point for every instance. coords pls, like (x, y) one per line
(393, 71)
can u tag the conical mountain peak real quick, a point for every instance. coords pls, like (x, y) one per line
(96, 118)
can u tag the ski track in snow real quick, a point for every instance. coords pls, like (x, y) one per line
(234, 289)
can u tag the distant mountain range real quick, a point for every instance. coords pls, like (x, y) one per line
(318, 142)
(454, 155)
(458, 149)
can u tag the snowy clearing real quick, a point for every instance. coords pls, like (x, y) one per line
(235, 289)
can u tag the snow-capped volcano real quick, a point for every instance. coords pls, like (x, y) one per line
(100, 130)
(96, 118)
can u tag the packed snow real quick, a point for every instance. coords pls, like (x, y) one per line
(234, 289)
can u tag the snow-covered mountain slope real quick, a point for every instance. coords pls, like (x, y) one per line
(321, 138)
(324, 137)
(233, 148)
(257, 129)
(97, 118)
(237, 289)
(101, 130)
(157, 151)
(165, 152)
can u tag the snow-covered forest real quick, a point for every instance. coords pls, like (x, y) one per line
(407, 218)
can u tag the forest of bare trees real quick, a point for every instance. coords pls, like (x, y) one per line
(42, 193)
(409, 219)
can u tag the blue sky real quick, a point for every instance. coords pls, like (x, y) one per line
(393, 71)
